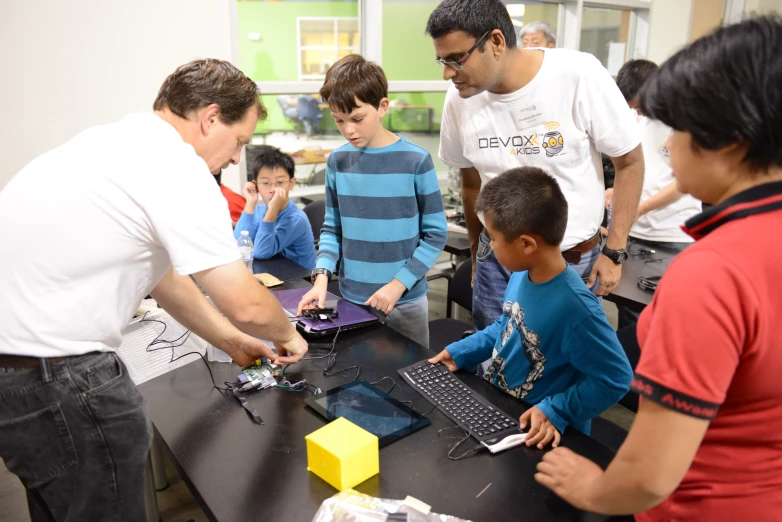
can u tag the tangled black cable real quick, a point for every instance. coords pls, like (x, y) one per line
(173, 344)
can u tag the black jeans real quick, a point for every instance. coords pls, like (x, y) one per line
(77, 435)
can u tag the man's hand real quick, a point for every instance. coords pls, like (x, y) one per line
(292, 350)
(250, 193)
(250, 349)
(445, 358)
(609, 197)
(541, 430)
(316, 294)
(609, 273)
(569, 475)
(385, 299)
(279, 201)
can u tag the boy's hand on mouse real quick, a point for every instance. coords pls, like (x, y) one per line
(445, 358)
(385, 299)
(316, 294)
(541, 430)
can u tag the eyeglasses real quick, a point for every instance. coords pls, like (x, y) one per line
(458, 65)
(276, 184)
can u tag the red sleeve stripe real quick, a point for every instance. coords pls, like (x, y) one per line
(672, 399)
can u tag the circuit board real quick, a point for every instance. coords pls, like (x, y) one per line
(260, 374)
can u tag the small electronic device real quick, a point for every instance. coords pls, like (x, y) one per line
(320, 313)
(345, 316)
(259, 375)
(369, 407)
(649, 282)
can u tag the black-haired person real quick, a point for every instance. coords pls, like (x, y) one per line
(277, 225)
(555, 109)
(552, 346)
(663, 208)
(706, 444)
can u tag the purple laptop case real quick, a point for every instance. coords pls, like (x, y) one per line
(348, 313)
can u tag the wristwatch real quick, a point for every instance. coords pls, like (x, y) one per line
(317, 272)
(617, 256)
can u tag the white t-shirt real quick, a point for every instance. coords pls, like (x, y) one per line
(560, 121)
(663, 224)
(89, 228)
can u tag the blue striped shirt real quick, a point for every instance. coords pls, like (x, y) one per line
(384, 218)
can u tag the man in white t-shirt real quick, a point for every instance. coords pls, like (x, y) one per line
(554, 109)
(122, 210)
(663, 209)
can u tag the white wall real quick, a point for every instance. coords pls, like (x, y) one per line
(762, 6)
(70, 65)
(669, 28)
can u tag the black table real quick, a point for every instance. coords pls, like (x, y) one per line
(238, 470)
(639, 264)
(282, 268)
(457, 244)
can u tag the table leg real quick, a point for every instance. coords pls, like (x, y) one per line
(158, 465)
(150, 497)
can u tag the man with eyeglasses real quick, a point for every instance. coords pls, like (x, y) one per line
(555, 109)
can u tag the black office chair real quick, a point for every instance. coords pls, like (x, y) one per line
(443, 332)
(316, 213)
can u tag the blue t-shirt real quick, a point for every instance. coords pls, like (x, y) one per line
(553, 348)
(290, 235)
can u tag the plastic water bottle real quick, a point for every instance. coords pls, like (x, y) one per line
(246, 249)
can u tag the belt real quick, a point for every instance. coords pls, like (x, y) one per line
(573, 255)
(21, 361)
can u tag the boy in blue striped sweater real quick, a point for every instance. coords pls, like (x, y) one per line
(384, 213)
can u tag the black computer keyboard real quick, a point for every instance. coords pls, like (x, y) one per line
(443, 389)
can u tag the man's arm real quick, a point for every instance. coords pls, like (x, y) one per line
(251, 307)
(471, 186)
(668, 195)
(627, 192)
(180, 297)
(647, 469)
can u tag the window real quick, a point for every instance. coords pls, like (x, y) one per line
(605, 33)
(323, 41)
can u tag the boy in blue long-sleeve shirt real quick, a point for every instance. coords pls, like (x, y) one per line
(553, 346)
(278, 225)
(384, 212)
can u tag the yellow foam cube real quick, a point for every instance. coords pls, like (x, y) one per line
(343, 454)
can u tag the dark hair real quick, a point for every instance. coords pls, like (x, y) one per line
(474, 17)
(725, 88)
(633, 75)
(353, 78)
(204, 82)
(273, 159)
(525, 200)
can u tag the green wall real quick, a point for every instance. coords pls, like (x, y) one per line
(408, 53)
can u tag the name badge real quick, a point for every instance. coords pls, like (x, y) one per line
(526, 117)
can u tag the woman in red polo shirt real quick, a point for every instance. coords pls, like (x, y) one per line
(706, 444)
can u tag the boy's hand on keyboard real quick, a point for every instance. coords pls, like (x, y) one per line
(445, 358)
(385, 299)
(541, 430)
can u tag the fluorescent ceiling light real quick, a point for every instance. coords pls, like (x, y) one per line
(516, 10)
